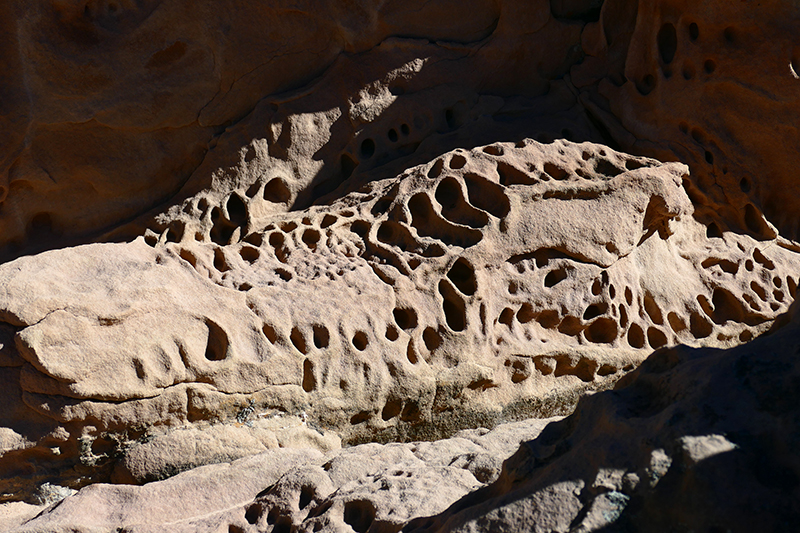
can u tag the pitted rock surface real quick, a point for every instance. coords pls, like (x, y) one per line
(487, 285)
(388, 485)
(229, 230)
(671, 448)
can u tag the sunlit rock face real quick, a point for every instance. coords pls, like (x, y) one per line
(231, 229)
(486, 285)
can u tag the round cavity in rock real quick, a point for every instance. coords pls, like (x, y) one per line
(217, 343)
(431, 338)
(391, 333)
(276, 191)
(457, 162)
(636, 336)
(309, 381)
(367, 148)
(405, 318)
(321, 337)
(694, 31)
(360, 341)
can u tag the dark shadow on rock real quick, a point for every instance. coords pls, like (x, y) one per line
(693, 440)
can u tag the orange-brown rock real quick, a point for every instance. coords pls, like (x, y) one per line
(714, 85)
(112, 105)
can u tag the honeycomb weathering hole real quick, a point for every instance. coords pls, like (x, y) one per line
(270, 333)
(667, 43)
(462, 274)
(454, 309)
(360, 341)
(276, 191)
(391, 409)
(359, 515)
(431, 338)
(405, 318)
(306, 497)
(554, 277)
(321, 337)
(299, 341)
(309, 381)
(486, 195)
(217, 343)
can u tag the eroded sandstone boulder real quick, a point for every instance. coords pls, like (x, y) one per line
(695, 439)
(109, 108)
(388, 484)
(486, 285)
(322, 224)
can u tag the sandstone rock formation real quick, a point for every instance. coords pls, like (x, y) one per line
(232, 232)
(487, 285)
(111, 109)
(393, 483)
(695, 439)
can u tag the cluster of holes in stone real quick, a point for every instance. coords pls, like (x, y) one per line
(369, 147)
(453, 198)
(751, 216)
(597, 165)
(667, 42)
(228, 222)
(597, 326)
(280, 241)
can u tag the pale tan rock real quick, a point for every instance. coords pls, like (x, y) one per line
(161, 456)
(352, 488)
(14, 514)
(198, 500)
(490, 284)
(692, 439)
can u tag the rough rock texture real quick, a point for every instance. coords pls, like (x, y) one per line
(694, 440)
(111, 109)
(486, 285)
(389, 484)
(712, 84)
(228, 230)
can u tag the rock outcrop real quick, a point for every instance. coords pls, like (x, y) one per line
(115, 109)
(487, 285)
(235, 235)
(695, 439)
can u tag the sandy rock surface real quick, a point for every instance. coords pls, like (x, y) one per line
(390, 484)
(695, 439)
(487, 285)
(267, 267)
